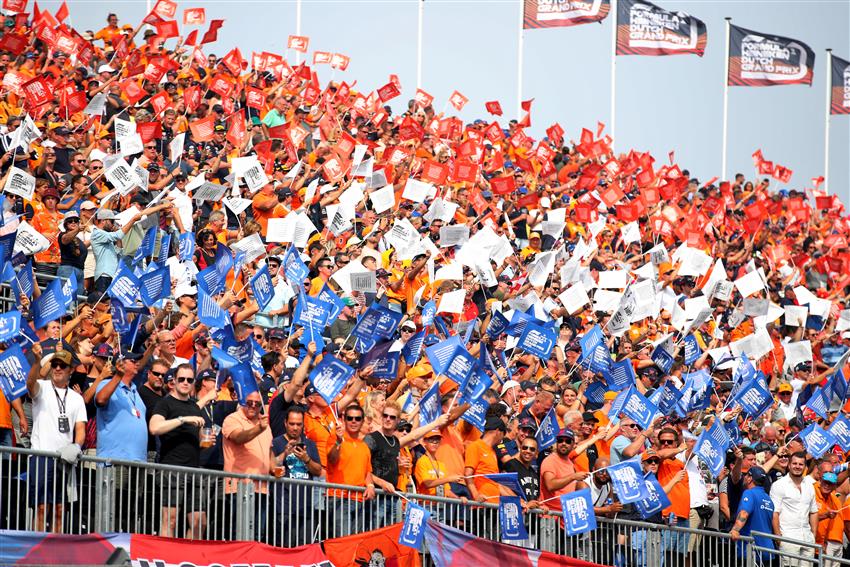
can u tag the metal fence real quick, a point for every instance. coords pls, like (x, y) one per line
(39, 492)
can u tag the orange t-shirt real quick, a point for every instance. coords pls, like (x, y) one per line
(481, 458)
(5, 413)
(47, 224)
(355, 462)
(560, 468)
(829, 529)
(450, 451)
(680, 495)
(319, 430)
(263, 216)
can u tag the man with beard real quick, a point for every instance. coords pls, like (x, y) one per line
(795, 507)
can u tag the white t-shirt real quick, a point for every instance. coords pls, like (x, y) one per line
(45, 416)
(696, 483)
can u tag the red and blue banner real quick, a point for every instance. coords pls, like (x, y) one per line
(549, 14)
(840, 86)
(762, 60)
(646, 29)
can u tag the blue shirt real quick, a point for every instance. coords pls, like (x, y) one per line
(105, 251)
(122, 430)
(759, 508)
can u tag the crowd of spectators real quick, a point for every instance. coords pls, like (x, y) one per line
(403, 210)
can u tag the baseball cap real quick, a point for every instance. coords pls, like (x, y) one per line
(494, 424)
(60, 354)
(105, 214)
(102, 350)
(758, 474)
(349, 301)
(50, 192)
(508, 385)
(205, 375)
(566, 433)
(87, 205)
(609, 395)
(433, 433)
(129, 355)
(830, 477)
(105, 69)
(310, 390)
(527, 423)
(277, 334)
(534, 235)
(649, 454)
(409, 325)
(785, 388)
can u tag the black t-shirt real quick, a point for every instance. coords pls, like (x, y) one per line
(179, 446)
(278, 409)
(529, 480)
(74, 253)
(385, 452)
(150, 399)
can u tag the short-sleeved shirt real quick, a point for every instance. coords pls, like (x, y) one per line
(248, 458)
(429, 468)
(829, 529)
(559, 467)
(528, 478)
(45, 416)
(354, 463)
(618, 445)
(122, 427)
(180, 446)
(680, 494)
(759, 508)
(320, 430)
(481, 458)
(293, 467)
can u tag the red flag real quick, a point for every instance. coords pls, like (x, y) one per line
(298, 43)
(212, 33)
(132, 91)
(18, 6)
(165, 9)
(434, 172)
(14, 43)
(73, 103)
(192, 98)
(340, 61)
(526, 105)
(599, 128)
(409, 129)
(321, 57)
(237, 131)
(192, 38)
(62, 12)
(493, 107)
(160, 102)
(149, 131)
(233, 61)
(167, 29)
(388, 92)
(555, 133)
(194, 16)
(503, 185)
(37, 91)
(202, 130)
(458, 100)
(465, 172)
(611, 194)
(255, 98)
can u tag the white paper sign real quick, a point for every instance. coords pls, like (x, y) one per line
(20, 183)
(255, 178)
(452, 302)
(452, 235)
(236, 204)
(796, 315)
(131, 144)
(122, 176)
(252, 246)
(29, 241)
(383, 199)
(749, 284)
(364, 281)
(574, 298)
(418, 191)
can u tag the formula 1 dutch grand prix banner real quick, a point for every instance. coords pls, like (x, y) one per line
(646, 29)
(556, 14)
(761, 60)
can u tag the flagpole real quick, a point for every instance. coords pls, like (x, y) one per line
(613, 72)
(725, 101)
(297, 28)
(826, 120)
(420, 18)
(519, 59)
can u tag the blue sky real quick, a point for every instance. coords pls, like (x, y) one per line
(663, 103)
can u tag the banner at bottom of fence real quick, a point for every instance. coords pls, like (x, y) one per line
(450, 547)
(34, 548)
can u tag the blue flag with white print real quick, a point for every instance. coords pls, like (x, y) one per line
(498, 325)
(223, 261)
(412, 349)
(476, 385)
(146, 247)
(240, 350)
(656, 499)
(547, 433)
(819, 402)
(595, 393)
(511, 523)
(164, 248)
(413, 530)
(14, 369)
(711, 447)
(476, 414)
(155, 285)
(10, 325)
(294, 268)
(577, 508)
(840, 430)
(243, 381)
(817, 440)
(627, 481)
(692, 350)
(519, 320)
(210, 313)
(366, 329)
(7, 244)
(49, 306)
(261, 285)
(337, 304)
(662, 359)
(429, 310)
(633, 404)
(440, 354)
(387, 323)
(621, 375)
(668, 398)
(754, 398)
(124, 287)
(257, 353)
(186, 244)
(733, 432)
(210, 281)
(430, 406)
(383, 360)
(509, 480)
(26, 281)
(538, 340)
(330, 376)
(460, 367)
(838, 385)
(697, 390)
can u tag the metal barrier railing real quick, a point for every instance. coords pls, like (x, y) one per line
(789, 551)
(39, 492)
